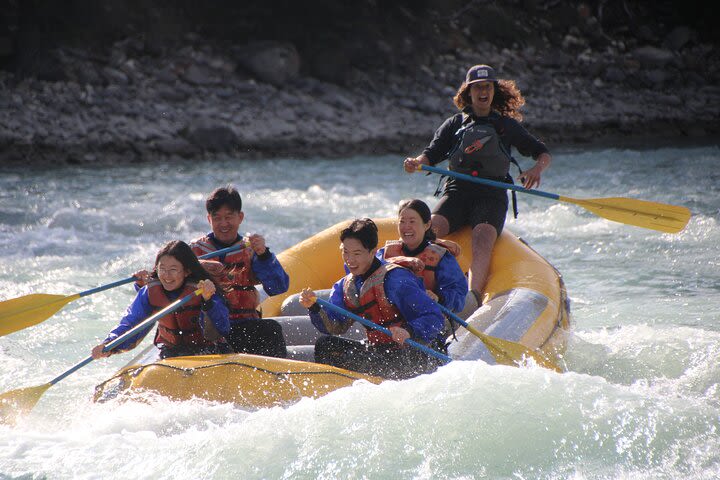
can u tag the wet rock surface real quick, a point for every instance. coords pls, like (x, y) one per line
(374, 80)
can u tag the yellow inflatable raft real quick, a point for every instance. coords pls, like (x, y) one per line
(524, 302)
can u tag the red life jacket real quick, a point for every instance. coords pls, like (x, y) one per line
(372, 303)
(181, 327)
(243, 298)
(430, 256)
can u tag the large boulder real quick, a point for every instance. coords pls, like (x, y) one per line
(650, 57)
(271, 62)
(209, 136)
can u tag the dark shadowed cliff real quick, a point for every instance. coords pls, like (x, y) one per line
(126, 80)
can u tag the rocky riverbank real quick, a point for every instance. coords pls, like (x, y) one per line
(139, 99)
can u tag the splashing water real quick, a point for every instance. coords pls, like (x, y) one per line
(641, 400)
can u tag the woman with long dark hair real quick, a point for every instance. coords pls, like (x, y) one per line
(478, 142)
(193, 329)
(431, 259)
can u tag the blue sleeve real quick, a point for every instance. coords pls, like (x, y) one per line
(419, 311)
(271, 274)
(218, 313)
(138, 311)
(452, 286)
(336, 298)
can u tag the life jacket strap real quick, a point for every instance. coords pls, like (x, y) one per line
(510, 180)
(362, 308)
(188, 309)
(245, 288)
(244, 310)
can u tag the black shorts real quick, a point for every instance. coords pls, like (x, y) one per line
(262, 336)
(379, 360)
(462, 209)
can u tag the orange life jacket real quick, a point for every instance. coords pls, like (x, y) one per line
(243, 298)
(372, 303)
(430, 256)
(181, 327)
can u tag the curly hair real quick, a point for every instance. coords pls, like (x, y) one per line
(507, 99)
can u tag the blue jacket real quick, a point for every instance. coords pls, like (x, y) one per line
(404, 290)
(265, 267)
(452, 286)
(140, 309)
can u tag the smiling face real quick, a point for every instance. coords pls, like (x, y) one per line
(481, 94)
(411, 228)
(357, 258)
(225, 224)
(171, 272)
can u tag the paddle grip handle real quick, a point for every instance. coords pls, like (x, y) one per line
(380, 328)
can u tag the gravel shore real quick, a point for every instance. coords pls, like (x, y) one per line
(132, 102)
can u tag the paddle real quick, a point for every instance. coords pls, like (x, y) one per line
(640, 213)
(23, 312)
(504, 351)
(17, 402)
(382, 329)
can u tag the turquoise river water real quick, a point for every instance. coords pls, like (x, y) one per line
(641, 399)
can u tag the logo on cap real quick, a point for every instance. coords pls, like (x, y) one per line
(479, 73)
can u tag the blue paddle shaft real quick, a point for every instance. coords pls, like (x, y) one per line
(380, 328)
(149, 321)
(106, 287)
(131, 279)
(490, 183)
(71, 370)
(451, 314)
(145, 323)
(130, 333)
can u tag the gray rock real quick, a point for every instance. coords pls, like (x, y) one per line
(614, 75)
(175, 146)
(210, 136)
(340, 100)
(555, 58)
(656, 77)
(652, 56)
(171, 94)
(320, 110)
(272, 62)
(166, 75)
(672, 100)
(679, 37)
(200, 75)
(89, 76)
(115, 76)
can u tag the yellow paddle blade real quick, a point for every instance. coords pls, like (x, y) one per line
(23, 312)
(506, 352)
(655, 216)
(18, 402)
